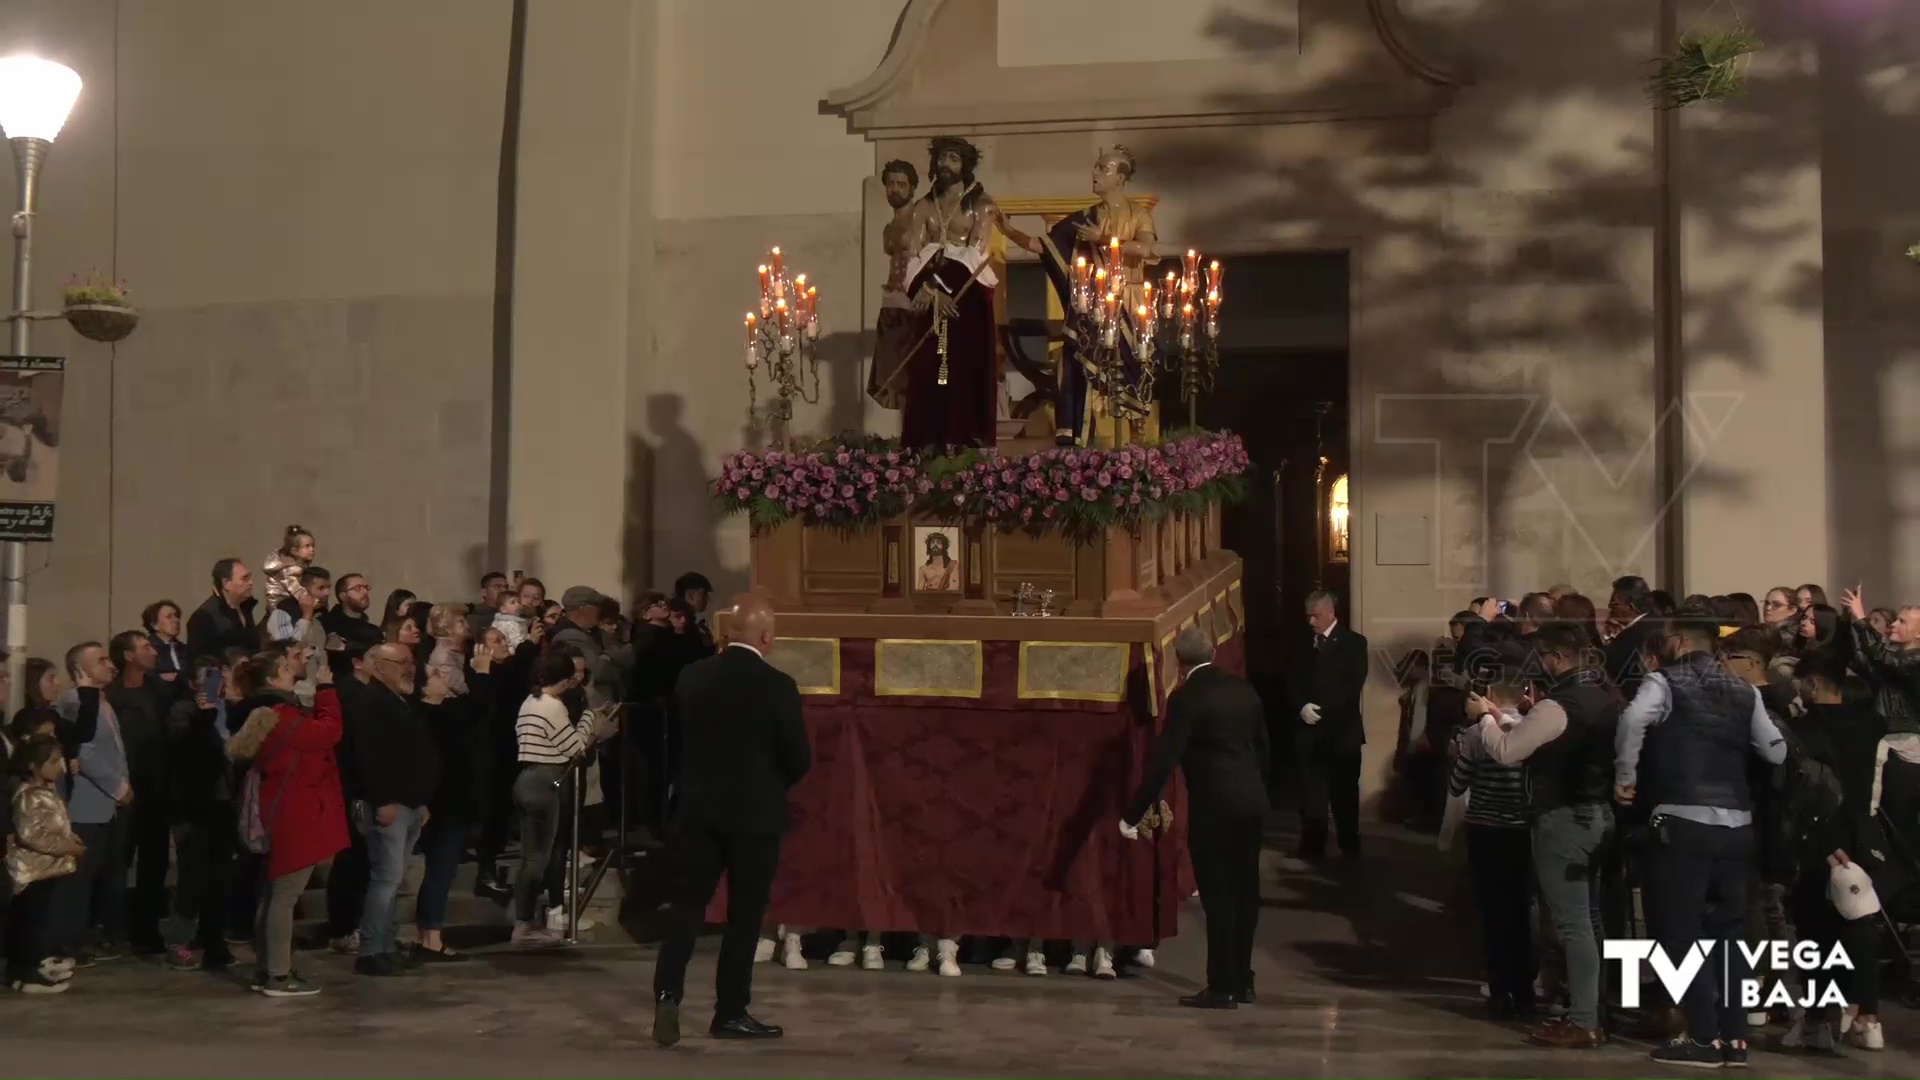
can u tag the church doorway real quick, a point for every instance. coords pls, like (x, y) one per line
(1282, 386)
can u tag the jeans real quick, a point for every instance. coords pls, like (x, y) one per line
(95, 894)
(387, 849)
(273, 926)
(538, 800)
(442, 843)
(1500, 858)
(1568, 846)
(1699, 875)
(204, 850)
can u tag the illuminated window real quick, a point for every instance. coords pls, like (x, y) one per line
(1337, 519)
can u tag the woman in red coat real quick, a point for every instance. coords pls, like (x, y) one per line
(292, 747)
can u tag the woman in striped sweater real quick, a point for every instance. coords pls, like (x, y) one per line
(1499, 853)
(549, 743)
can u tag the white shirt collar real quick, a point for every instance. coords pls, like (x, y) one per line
(749, 648)
(1194, 668)
(1328, 632)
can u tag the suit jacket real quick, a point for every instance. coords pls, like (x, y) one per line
(1622, 656)
(1217, 732)
(744, 743)
(1332, 677)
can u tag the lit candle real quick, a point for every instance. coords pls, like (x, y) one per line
(1193, 264)
(779, 265)
(1113, 254)
(764, 287)
(1213, 303)
(753, 336)
(813, 303)
(1213, 276)
(780, 314)
(1186, 316)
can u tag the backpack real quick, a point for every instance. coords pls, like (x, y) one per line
(256, 829)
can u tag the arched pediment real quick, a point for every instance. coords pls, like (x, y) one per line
(976, 66)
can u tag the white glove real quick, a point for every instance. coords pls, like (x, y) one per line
(1131, 832)
(1310, 713)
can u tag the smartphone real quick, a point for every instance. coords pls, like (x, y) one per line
(1479, 687)
(210, 686)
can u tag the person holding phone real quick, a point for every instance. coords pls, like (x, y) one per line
(200, 795)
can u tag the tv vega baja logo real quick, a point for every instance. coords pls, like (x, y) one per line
(1808, 965)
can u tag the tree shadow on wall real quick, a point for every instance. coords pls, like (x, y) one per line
(1538, 311)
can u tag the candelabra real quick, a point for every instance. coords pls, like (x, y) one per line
(781, 339)
(1175, 328)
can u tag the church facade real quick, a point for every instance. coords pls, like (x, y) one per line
(458, 283)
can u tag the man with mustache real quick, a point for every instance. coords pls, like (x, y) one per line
(895, 330)
(951, 376)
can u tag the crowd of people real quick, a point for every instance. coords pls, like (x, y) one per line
(236, 748)
(1745, 768)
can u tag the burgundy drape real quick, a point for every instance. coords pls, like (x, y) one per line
(993, 816)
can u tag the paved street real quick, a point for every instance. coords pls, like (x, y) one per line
(1363, 972)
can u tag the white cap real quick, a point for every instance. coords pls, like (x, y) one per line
(1851, 891)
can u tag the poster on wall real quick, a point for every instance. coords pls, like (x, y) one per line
(30, 391)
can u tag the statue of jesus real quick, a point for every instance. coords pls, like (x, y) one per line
(952, 377)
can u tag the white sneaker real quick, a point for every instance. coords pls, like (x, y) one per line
(1077, 965)
(1103, 964)
(1144, 958)
(347, 944)
(1846, 1019)
(1036, 963)
(949, 958)
(1867, 1035)
(790, 957)
(920, 959)
(1003, 963)
(557, 921)
(56, 969)
(763, 950)
(872, 958)
(841, 957)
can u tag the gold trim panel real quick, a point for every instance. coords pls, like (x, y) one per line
(1026, 691)
(915, 683)
(1153, 680)
(829, 688)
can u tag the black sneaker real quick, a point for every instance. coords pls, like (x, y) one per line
(379, 965)
(288, 986)
(1685, 1052)
(1733, 1053)
(666, 1019)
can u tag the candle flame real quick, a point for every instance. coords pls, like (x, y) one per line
(776, 251)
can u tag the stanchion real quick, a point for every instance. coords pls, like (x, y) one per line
(617, 854)
(573, 854)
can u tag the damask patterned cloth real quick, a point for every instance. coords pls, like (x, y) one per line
(991, 815)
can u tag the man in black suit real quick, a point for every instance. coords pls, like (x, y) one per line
(744, 744)
(1326, 695)
(1217, 731)
(1627, 609)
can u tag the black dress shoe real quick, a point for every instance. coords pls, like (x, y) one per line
(666, 1019)
(1209, 999)
(743, 1027)
(1245, 996)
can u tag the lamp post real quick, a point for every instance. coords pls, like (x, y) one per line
(35, 97)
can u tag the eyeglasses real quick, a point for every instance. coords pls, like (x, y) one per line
(1745, 658)
(1776, 605)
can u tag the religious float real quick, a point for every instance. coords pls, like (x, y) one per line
(981, 614)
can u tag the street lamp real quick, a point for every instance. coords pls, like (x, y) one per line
(35, 97)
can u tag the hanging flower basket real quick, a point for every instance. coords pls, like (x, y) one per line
(1705, 65)
(102, 322)
(97, 308)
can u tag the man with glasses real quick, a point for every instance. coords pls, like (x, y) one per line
(398, 766)
(348, 623)
(1699, 727)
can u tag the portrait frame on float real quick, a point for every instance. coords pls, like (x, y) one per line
(930, 542)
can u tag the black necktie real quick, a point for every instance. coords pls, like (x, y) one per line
(1319, 640)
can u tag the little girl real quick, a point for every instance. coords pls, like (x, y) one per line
(44, 849)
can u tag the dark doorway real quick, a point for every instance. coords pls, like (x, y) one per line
(1282, 386)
